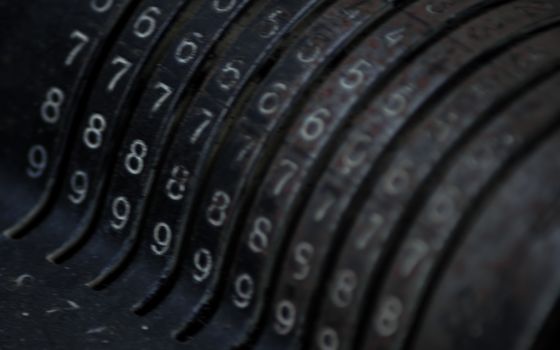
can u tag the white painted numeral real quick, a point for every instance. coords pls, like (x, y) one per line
(222, 6)
(203, 264)
(101, 6)
(166, 92)
(397, 102)
(342, 290)
(230, 75)
(51, 107)
(355, 75)
(258, 239)
(79, 185)
(82, 41)
(394, 37)
(272, 23)
(354, 153)
(291, 169)
(93, 134)
(162, 237)
(217, 211)
(125, 66)
(121, 213)
(177, 184)
(303, 253)
(188, 49)
(416, 250)
(314, 125)
(375, 222)
(327, 339)
(38, 160)
(208, 116)
(134, 161)
(270, 101)
(387, 321)
(309, 57)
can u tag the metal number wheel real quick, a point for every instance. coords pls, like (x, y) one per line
(280, 174)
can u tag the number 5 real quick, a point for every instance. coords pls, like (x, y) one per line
(356, 75)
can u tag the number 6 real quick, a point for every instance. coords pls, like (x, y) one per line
(146, 22)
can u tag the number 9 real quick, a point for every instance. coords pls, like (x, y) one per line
(79, 183)
(38, 160)
(121, 213)
(203, 264)
(162, 237)
(387, 321)
(285, 317)
(244, 290)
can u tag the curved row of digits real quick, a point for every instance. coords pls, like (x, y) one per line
(290, 174)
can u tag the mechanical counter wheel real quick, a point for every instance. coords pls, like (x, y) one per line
(280, 174)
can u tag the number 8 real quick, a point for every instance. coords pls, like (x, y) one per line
(387, 322)
(258, 240)
(328, 339)
(217, 211)
(134, 161)
(244, 290)
(93, 134)
(50, 109)
(149, 23)
(203, 264)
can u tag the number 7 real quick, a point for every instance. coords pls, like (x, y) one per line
(290, 173)
(166, 92)
(83, 40)
(126, 65)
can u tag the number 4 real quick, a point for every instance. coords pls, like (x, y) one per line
(394, 37)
